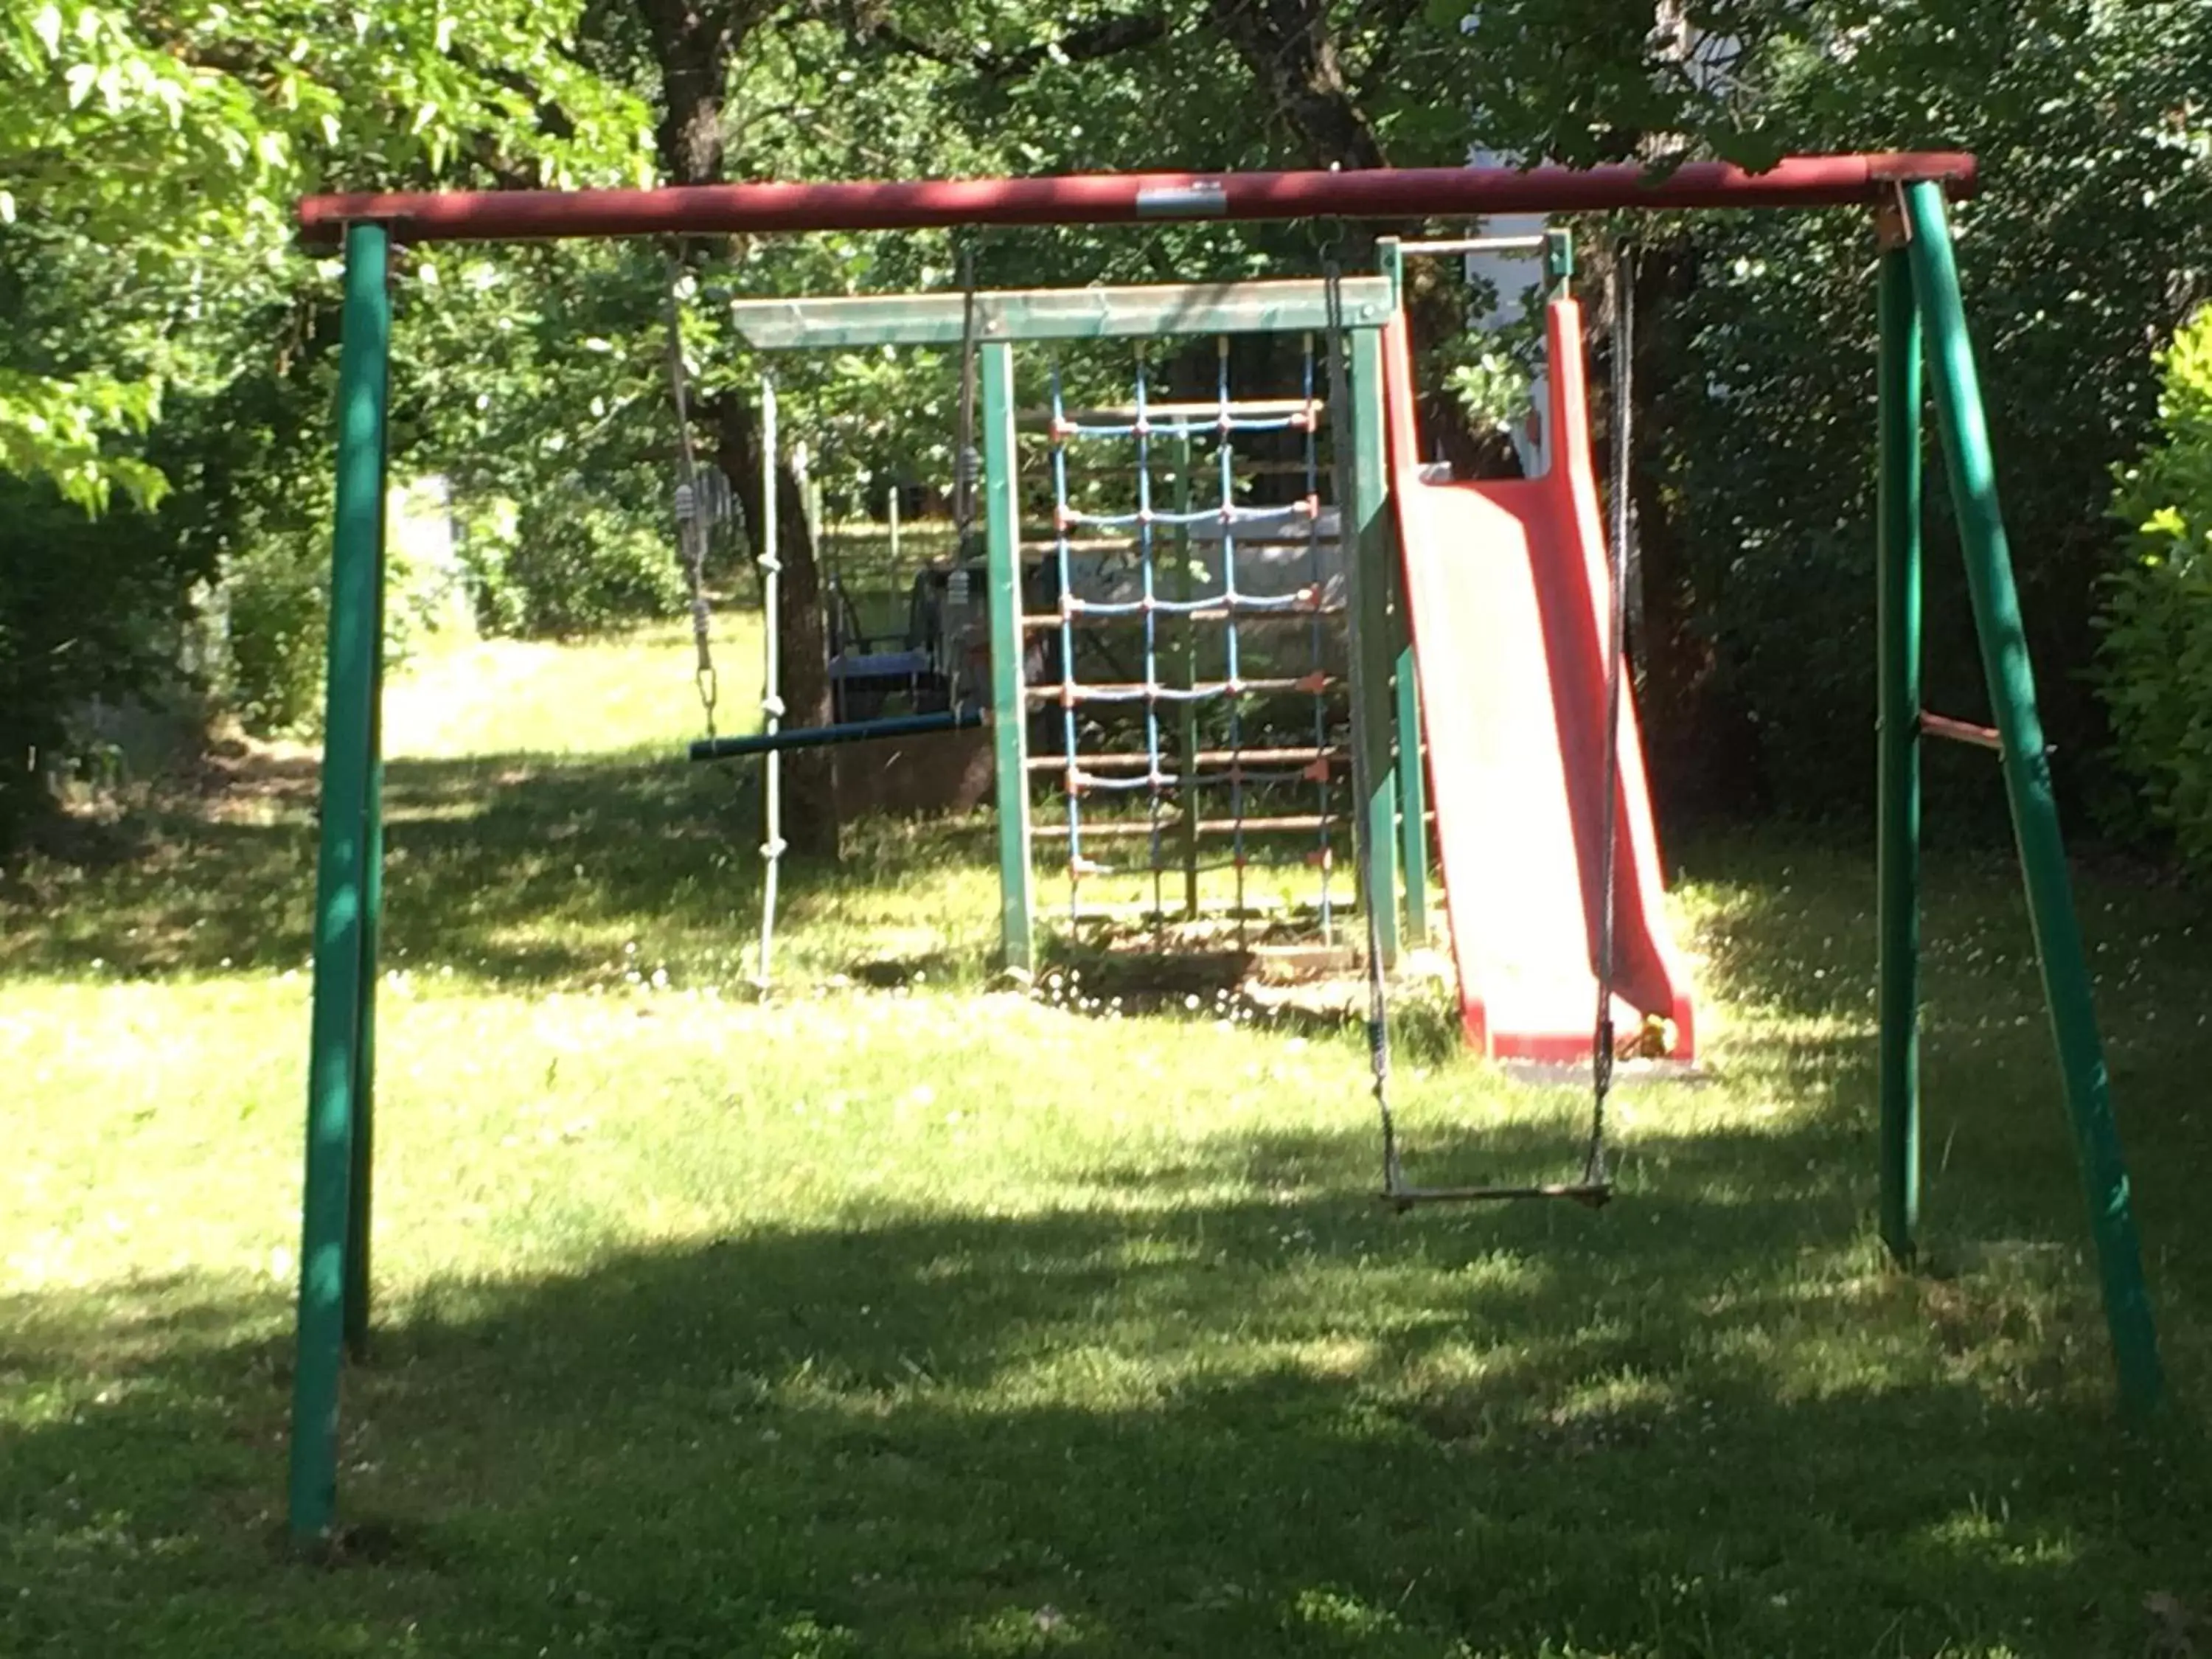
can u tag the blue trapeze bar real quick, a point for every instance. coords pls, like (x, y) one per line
(818, 737)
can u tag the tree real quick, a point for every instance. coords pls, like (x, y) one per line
(175, 139)
(163, 336)
(2091, 240)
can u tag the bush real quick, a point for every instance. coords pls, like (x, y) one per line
(2155, 660)
(484, 542)
(581, 566)
(90, 615)
(274, 598)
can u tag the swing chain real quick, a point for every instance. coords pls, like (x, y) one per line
(966, 463)
(1622, 306)
(1378, 1003)
(689, 532)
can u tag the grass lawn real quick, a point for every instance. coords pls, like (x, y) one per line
(906, 1316)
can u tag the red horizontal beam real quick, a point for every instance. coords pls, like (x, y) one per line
(1966, 732)
(1121, 197)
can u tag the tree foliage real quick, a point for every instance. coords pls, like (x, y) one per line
(172, 340)
(2156, 660)
(164, 359)
(2091, 237)
(176, 138)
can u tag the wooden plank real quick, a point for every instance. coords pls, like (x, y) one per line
(1283, 305)
(1003, 540)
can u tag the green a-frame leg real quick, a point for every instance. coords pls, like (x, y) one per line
(1919, 290)
(333, 1308)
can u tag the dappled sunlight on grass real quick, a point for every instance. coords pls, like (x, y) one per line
(905, 1313)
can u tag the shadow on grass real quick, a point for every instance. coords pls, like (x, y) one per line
(1156, 1419)
(1282, 1423)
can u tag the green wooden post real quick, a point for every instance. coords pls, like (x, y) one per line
(1009, 700)
(342, 886)
(1367, 590)
(1972, 479)
(1413, 782)
(1897, 729)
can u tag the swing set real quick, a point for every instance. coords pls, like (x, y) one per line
(1448, 596)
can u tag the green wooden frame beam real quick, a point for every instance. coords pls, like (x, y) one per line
(1277, 306)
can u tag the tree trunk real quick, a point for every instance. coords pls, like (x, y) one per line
(1290, 50)
(693, 42)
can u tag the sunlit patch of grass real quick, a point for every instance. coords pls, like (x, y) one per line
(635, 693)
(905, 1312)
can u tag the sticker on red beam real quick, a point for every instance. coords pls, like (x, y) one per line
(1201, 198)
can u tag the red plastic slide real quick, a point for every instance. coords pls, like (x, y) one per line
(1507, 585)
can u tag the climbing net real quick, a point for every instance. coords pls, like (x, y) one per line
(1221, 577)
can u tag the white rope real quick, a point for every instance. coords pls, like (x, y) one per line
(771, 567)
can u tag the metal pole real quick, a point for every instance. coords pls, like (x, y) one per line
(342, 882)
(362, 1198)
(825, 736)
(1972, 478)
(1009, 703)
(1367, 618)
(1126, 197)
(1898, 730)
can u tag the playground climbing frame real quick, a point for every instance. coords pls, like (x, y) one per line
(1002, 320)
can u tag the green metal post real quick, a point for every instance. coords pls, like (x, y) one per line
(1008, 700)
(341, 886)
(1897, 729)
(1367, 615)
(1972, 478)
(361, 1198)
(1413, 782)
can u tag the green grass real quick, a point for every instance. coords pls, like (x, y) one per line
(903, 1316)
(493, 697)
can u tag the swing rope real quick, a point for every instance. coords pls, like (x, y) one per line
(1621, 295)
(691, 532)
(771, 566)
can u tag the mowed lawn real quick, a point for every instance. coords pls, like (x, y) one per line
(908, 1313)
